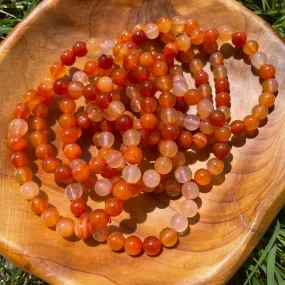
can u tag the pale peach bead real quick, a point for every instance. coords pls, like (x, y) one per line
(204, 108)
(136, 105)
(177, 78)
(188, 208)
(106, 139)
(183, 174)
(107, 47)
(103, 187)
(258, 59)
(179, 223)
(131, 174)
(196, 65)
(76, 162)
(101, 235)
(216, 59)
(65, 227)
(190, 190)
(183, 42)
(168, 148)
(152, 31)
(220, 72)
(50, 217)
(151, 178)
(270, 85)
(164, 24)
(81, 77)
(163, 165)
(93, 46)
(131, 137)
(95, 114)
(29, 190)
(178, 24)
(168, 115)
(205, 90)
(116, 109)
(206, 128)
(18, 127)
(225, 33)
(114, 159)
(226, 110)
(73, 191)
(105, 84)
(191, 122)
(179, 88)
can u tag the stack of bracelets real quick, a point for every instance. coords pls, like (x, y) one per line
(138, 93)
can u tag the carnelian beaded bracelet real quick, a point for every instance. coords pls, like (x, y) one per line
(129, 79)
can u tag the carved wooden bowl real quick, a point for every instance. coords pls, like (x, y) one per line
(235, 210)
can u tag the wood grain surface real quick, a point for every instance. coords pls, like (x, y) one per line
(235, 210)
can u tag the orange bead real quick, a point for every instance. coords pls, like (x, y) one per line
(164, 24)
(18, 143)
(45, 90)
(201, 77)
(43, 151)
(223, 99)
(38, 123)
(151, 245)
(167, 37)
(23, 174)
(31, 97)
(185, 139)
(164, 83)
(114, 206)
(19, 159)
(251, 122)
(148, 121)
(115, 241)
(67, 120)
(147, 59)
(67, 105)
(50, 164)
(266, 99)
(57, 70)
(21, 111)
(39, 204)
(250, 47)
(38, 137)
(167, 100)
(223, 134)
(211, 35)
(41, 110)
(72, 151)
(171, 49)
(97, 164)
(69, 135)
(133, 155)
(130, 62)
(133, 245)
(202, 176)
(92, 68)
(200, 140)
(197, 37)
(122, 190)
(99, 219)
(50, 217)
(104, 151)
(63, 173)
(83, 228)
(267, 71)
(222, 85)
(260, 112)
(190, 26)
(159, 68)
(80, 172)
(192, 97)
(237, 127)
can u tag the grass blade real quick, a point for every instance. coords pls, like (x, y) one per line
(270, 270)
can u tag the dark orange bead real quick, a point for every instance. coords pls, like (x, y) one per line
(18, 143)
(79, 49)
(193, 97)
(39, 204)
(237, 127)
(63, 173)
(38, 137)
(67, 105)
(239, 38)
(130, 62)
(141, 73)
(67, 120)
(97, 164)
(80, 172)
(78, 207)
(223, 134)
(133, 245)
(103, 100)
(148, 105)
(99, 219)
(221, 150)
(19, 159)
(119, 76)
(21, 111)
(185, 139)
(114, 206)
(223, 99)
(190, 26)
(122, 190)
(92, 68)
(171, 49)
(170, 131)
(200, 140)
(167, 100)
(267, 71)
(222, 85)
(139, 37)
(60, 86)
(151, 245)
(197, 37)
(217, 118)
(201, 77)
(133, 155)
(68, 57)
(50, 164)
(202, 176)
(148, 121)
(147, 88)
(90, 92)
(38, 123)
(124, 123)
(147, 59)
(83, 121)
(69, 135)
(43, 151)
(116, 241)
(45, 90)
(211, 35)
(41, 110)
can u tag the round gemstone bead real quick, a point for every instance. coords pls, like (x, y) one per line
(101, 235)
(114, 206)
(151, 178)
(131, 174)
(73, 191)
(99, 219)
(50, 217)
(103, 187)
(204, 108)
(237, 127)
(65, 227)
(93, 46)
(133, 245)
(202, 176)
(188, 208)
(266, 99)
(29, 190)
(179, 223)
(250, 47)
(251, 122)
(114, 159)
(152, 245)
(23, 174)
(215, 166)
(83, 228)
(259, 111)
(151, 31)
(115, 241)
(168, 237)
(179, 88)
(164, 24)
(258, 59)
(122, 190)
(190, 190)
(183, 42)
(270, 85)
(191, 122)
(106, 139)
(78, 207)
(163, 165)
(239, 38)
(18, 127)
(131, 137)
(225, 33)
(168, 148)
(178, 24)
(183, 174)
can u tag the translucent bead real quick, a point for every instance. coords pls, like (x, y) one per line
(131, 174)
(151, 178)
(183, 174)
(191, 122)
(106, 139)
(73, 191)
(39, 204)
(266, 99)
(163, 165)
(204, 108)
(151, 31)
(101, 235)
(206, 128)
(168, 148)
(196, 65)
(151, 245)
(188, 208)
(220, 72)
(136, 105)
(197, 37)
(178, 24)
(116, 241)
(29, 190)
(116, 109)
(18, 127)
(23, 174)
(81, 77)
(93, 46)
(114, 206)
(133, 245)
(65, 227)
(251, 122)
(103, 187)
(179, 223)
(164, 24)
(179, 88)
(250, 47)
(216, 59)
(183, 42)
(177, 78)
(259, 111)
(50, 217)
(105, 84)
(225, 33)
(107, 47)
(215, 166)
(114, 158)
(258, 59)
(202, 176)
(83, 228)
(122, 190)
(131, 137)
(178, 159)
(168, 115)
(76, 162)
(190, 190)
(168, 237)
(270, 85)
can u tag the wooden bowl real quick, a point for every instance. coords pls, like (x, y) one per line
(235, 210)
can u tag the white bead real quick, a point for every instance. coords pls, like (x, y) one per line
(107, 47)
(29, 190)
(106, 139)
(75, 162)
(258, 59)
(183, 174)
(179, 223)
(81, 76)
(18, 127)
(188, 208)
(131, 174)
(103, 187)
(191, 122)
(73, 191)
(151, 178)
(190, 190)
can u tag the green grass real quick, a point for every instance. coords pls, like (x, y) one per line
(266, 264)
